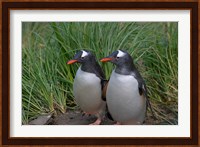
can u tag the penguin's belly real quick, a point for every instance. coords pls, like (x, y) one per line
(124, 102)
(87, 91)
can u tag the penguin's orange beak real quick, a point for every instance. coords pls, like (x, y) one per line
(106, 59)
(72, 61)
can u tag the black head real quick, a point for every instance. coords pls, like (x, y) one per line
(88, 63)
(122, 60)
(118, 57)
(82, 56)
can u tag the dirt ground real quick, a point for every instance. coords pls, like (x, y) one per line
(76, 117)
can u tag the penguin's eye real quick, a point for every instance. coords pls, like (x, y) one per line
(117, 58)
(82, 58)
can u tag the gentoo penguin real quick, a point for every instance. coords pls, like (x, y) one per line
(88, 85)
(126, 93)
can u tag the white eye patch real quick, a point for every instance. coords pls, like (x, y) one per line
(84, 53)
(120, 53)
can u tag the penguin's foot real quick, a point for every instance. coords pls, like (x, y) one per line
(97, 122)
(86, 114)
(117, 123)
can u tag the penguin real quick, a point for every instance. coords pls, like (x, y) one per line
(126, 92)
(88, 85)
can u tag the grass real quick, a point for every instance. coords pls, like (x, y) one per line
(47, 80)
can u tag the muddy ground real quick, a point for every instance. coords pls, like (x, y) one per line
(76, 117)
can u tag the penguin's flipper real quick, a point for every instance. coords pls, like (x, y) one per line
(104, 84)
(108, 114)
(143, 90)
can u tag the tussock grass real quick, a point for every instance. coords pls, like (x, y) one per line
(47, 80)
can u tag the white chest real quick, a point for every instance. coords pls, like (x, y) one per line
(87, 91)
(84, 78)
(123, 98)
(126, 83)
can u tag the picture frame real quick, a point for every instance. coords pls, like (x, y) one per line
(8, 6)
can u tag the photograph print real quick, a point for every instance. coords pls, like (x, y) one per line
(99, 73)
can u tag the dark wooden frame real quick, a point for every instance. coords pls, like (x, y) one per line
(7, 6)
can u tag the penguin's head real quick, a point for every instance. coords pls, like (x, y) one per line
(82, 56)
(118, 57)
